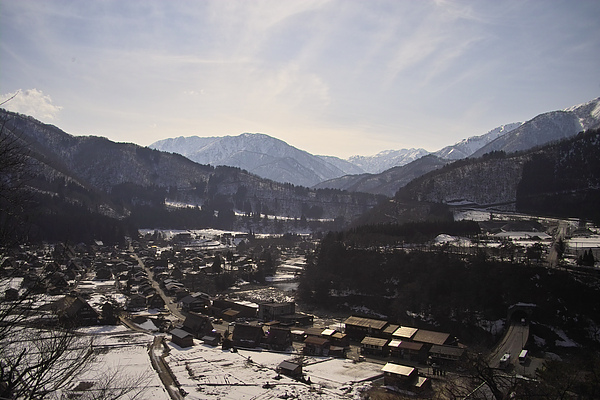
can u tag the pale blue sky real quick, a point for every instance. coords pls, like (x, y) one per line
(330, 77)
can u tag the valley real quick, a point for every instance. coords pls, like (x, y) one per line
(202, 281)
(226, 277)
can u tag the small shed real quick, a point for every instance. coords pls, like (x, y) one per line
(212, 340)
(290, 369)
(182, 338)
(401, 376)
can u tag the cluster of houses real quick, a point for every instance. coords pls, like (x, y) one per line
(380, 338)
(376, 337)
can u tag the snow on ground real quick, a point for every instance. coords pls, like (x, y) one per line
(564, 341)
(515, 235)
(493, 327)
(10, 283)
(207, 372)
(584, 242)
(280, 277)
(122, 354)
(455, 240)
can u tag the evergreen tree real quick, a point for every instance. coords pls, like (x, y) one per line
(217, 265)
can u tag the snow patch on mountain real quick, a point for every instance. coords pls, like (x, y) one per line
(387, 159)
(259, 154)
(466, 147)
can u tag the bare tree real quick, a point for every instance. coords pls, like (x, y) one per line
(40, 359)
(35, 362)
(112, 384)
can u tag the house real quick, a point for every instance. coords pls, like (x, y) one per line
(75, 311)
(405, 378)
(198, 325)
(230, 314)
(246, 309)
(279, 339)
(299, 319)
(358, 327)
(197, 302)
(446, 354)
(272, 311)
(136, 302)
(289, 368)
(182, 338)
(246, 335)
(373, 345)
(316, 346)
(155, 301)
(407, 350)
(400, 376)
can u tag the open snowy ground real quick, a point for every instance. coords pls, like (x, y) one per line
(121, 355)
(207, 372)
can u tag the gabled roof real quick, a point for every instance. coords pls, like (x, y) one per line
(180, 333)
(289, 366)
(373, 341)
(366, 322)
(391, 329)
(414, 346)
(397, 369)
(247, 330)
(69, 306)
(431, 337)
(196, 322)
(405, 332)
(447, 350)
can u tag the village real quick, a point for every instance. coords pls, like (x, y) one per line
(134, 290)
(154, 306)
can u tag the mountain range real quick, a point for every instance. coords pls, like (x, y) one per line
(274, 159)
(86, 185)
(92, 176)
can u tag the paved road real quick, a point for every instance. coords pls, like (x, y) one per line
(512, 343)
(171, 306)
(159, 364)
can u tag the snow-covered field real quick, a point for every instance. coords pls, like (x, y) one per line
(206, 372)
(121, 356)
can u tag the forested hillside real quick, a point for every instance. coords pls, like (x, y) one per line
(368, 268)
(563, 179)
(141, 187)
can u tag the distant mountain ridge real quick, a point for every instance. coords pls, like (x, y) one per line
(561, 179)
(509, 138)
(547, 127)
(387, 159)
(259, 154)
(114, 178)
(467, 147)
(274, 159)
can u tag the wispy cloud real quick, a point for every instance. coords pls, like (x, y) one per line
(310, 72)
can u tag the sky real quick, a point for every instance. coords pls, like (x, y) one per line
(332, 77)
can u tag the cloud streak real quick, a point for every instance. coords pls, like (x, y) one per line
(313, 73)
